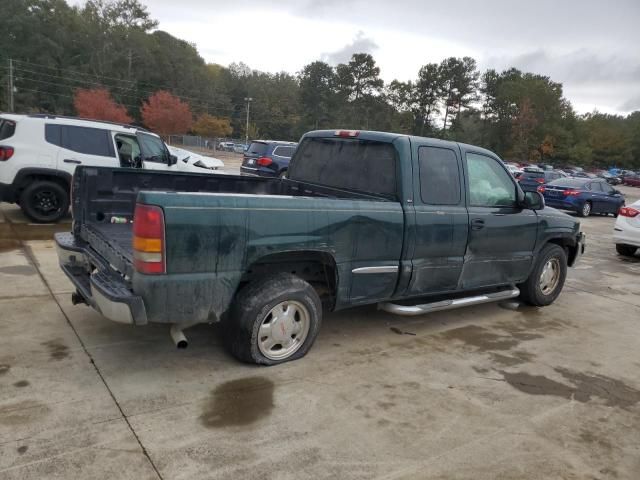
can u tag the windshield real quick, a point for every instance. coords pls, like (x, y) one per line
(153, 149)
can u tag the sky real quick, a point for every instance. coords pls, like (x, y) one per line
(591, 46)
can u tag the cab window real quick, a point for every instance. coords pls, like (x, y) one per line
(439, 176)
(489, 183)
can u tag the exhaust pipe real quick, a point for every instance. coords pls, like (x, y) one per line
(178, 337)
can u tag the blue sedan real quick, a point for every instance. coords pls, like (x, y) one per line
(583, 196)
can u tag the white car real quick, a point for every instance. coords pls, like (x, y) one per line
(626, 232)
(39, 153)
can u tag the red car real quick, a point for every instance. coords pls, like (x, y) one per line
(632, 180)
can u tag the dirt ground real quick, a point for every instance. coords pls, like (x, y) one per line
(500, 391)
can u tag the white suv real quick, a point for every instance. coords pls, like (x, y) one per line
(39, 153)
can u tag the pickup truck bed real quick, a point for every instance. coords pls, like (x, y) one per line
(116, 236)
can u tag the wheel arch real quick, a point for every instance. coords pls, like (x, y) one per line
(317, 267)
(29, 175)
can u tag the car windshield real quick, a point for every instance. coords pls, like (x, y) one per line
(569, 182)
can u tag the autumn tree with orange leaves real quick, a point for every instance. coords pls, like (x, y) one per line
(97, 104)
(166, 114)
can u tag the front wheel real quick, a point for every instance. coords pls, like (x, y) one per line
(547, 278)
(274, 319)
(626, 250)
(585, 211)
(44, 201)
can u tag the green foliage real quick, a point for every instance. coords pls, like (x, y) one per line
(114, 45)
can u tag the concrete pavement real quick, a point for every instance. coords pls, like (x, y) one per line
(493, 391)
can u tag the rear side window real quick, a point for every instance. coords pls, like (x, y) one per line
(353, 164)
(257, 148)
(596, 187)
(284, 151)
(7, 129)
(53, 134)
(439, 176)
(90, 141)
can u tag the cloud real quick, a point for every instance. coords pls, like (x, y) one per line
(578, 66)
(360, 44)
(630, 105)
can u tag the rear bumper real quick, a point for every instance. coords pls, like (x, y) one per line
(625, 237)
(7, 193)
(257, 172)
(98, 285)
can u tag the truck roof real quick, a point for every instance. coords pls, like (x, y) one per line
(391, 137)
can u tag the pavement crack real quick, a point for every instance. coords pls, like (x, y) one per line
(33, 261)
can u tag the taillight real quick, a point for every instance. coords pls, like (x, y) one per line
(571, 193)
(148, 239)
(629, 212)
(6, 153)
(541, 189)
(264, 161)
(540, 180)
(347, 133)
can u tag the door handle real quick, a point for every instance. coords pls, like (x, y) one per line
(69, 160)
(477, 224)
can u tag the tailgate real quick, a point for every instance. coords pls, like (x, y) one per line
(113, 242)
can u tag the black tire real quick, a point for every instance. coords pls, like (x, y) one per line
(252, 306)
(44, 201)
(626, 250)
(531, 291)
(586, 209)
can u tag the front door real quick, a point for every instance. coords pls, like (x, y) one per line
(441, 220)
(502, 235)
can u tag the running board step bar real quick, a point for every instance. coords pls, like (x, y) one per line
(410, 310)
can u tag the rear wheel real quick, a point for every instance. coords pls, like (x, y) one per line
(585, 211)
(274, 319)
(547, 278)
(44, 201)
(626, 250)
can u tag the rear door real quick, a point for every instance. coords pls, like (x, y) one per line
(441, 219)
(82, 146)
(502, 235)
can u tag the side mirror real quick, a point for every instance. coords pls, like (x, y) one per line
(173, 160)
(533, 200)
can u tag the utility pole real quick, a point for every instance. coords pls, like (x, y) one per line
(11, 104)
(248, 100)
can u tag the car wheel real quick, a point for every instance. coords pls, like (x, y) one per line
(547, 278)
(283, 174)
(585, 211)
(44, 201)
(273, 320)
(626, 250)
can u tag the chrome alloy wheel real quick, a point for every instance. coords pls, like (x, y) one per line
(550, 276)
(283, 330)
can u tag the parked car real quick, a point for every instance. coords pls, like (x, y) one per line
(514, 170)
(530, 180)
(226, 146)
(632, 179)
(267, 256)
(267, 158)
(583, 175)
(610, 179)
(39, 153)
(239, 147)
(584, 196)
(626, 232)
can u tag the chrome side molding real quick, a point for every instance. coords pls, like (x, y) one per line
(410, 310)
(382, 269)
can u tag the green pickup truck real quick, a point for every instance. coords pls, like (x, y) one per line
(412, 224)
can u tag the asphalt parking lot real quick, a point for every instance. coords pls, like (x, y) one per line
(493, 391)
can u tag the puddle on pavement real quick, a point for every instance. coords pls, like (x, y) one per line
(18, 270)
(22, 449)
(238, 403)
(21, 384)
(57, 350)
(4, 369)
(584, 387)
(481, 338)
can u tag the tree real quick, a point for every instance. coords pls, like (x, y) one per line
(317, 82)
(97, 104)
(459, 85)
(166, 114)
(209, 126)
(360, 77)
(428, 94)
